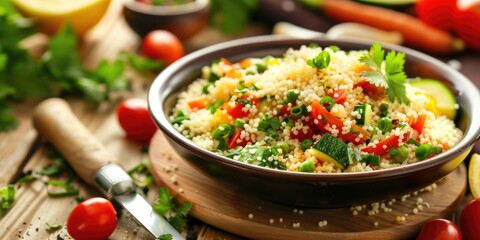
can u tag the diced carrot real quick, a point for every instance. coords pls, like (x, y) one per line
(245, 63)
(197, 104)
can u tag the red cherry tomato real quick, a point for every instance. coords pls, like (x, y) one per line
(134, 118)
(470, 220)
(92, 219)
(440, 229)
(162, 45)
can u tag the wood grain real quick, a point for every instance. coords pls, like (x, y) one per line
(238, 212)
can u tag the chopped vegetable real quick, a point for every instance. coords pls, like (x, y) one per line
(392, 77)
(334, 148)
(399, 154)
(370, 159)
(383, 146)
(385, 124)
(443, 96)
(415, 33)
(53, 227)
(357, 135)
(365, 114)
(307, 166)
(175, 214)
(322, 60)
(426, 150)
(7, 197)
(328, 102)
(419, 123)
(292, 96)
(324, 157)
(339, 95)
(141, 174)
(306, 144)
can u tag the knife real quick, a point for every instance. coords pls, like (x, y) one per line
(54, 119)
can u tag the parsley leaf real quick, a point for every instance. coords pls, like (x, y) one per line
(7, 196)
(392, 77)
(176, 215)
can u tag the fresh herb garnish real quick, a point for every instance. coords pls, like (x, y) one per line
(175, 214)
(391, 77)
(7, 197)
(322, 60)
(231, 17)
(141, 174)
(52, 227)
(165, 237)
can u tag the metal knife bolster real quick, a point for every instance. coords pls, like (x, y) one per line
(113, 180)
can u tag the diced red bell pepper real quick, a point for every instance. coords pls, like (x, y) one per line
(237, 110)
(419, 123)
(328, 118)
(300, 134)
(237, 140)
(339, 95)
(383, 146)
(370, 89)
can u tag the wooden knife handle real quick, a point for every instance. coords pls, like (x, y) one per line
(54, 119)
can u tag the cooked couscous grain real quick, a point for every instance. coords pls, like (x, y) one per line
(274, 111)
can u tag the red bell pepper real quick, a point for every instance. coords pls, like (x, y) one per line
(339, 95)
(329, 119)
(237, 140)
(383, 146)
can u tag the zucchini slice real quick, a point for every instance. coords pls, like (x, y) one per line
(443, 96)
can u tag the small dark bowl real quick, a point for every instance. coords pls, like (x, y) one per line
(320, 190)
(183, 20)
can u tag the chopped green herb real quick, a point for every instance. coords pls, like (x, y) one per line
(7, 197)
(67, 189)
(392, 77)
(313, 45)
(296, 112)
(292, 96)
(215, 106)
(371, 159)
(334, 48)
(413, 141)
(165, 237)
(425, 150)
(306, 144)
(53, 227)
(175, 214)
(261, 67)
(141, 174)
(239, 123)
(322, 60)
(180, 116)
(383, 110)
(327, 102)
(399, 154)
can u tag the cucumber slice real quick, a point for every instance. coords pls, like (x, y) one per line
(442, 95)
(392, 3)
(324, 157)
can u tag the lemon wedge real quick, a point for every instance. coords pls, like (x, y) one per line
(474, 175)
(51, 15)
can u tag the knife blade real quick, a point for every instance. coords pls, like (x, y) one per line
(54, 119)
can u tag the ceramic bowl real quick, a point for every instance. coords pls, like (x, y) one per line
(320, 190)
(184, 20)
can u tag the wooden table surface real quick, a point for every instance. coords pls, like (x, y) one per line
(23, 150)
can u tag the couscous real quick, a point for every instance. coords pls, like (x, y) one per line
(315, 110)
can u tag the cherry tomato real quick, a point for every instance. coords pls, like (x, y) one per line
(92, 219)
(440, 229)
(135, 120)
(470, 220)
(162, 45)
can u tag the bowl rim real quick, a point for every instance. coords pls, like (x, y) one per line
(470, 135)
(170, 10)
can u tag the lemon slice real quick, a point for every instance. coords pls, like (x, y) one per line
(52, 14)
(474, 175)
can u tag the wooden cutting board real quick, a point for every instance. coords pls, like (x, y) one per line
(247, 216)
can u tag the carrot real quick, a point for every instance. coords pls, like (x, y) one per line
(416, 33)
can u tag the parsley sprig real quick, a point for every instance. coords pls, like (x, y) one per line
(175, 214)
(391, 77)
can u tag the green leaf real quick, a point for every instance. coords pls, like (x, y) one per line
(165, 237)
(376, 78)
(7, 197)
(231, 16)
(164, 202)
(6, 90)
(141, 64)
(7, 119)
(53, 227)
(184, 209)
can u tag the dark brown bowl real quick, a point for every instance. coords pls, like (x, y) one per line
(183, 20)
(320, 190)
